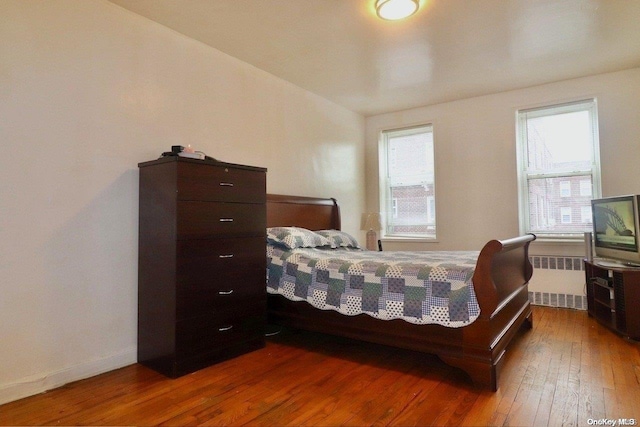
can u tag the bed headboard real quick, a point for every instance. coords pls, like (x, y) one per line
(308, 212)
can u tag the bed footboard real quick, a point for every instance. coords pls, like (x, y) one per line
(503, 269)
(501, 283)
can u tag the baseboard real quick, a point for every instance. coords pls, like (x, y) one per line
(578, 302)
(49, 380)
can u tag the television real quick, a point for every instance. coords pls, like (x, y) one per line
(616, 223)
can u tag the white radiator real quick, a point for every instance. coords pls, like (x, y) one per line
(558, 281)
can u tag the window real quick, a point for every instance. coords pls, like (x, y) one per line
(586, 215)
(585, 188)
(557, 151)
(407, 190)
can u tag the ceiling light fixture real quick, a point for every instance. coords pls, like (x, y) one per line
(396, 9)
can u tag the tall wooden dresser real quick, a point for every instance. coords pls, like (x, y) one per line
(202, 263)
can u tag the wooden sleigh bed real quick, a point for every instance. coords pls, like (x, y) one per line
(500, 282)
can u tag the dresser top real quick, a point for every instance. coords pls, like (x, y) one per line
(175, 159)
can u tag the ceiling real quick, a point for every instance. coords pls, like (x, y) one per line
(450, 49)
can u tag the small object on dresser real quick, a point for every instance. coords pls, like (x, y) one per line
(198, 155)
(190, 153)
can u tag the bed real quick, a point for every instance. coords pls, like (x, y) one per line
(476, 345)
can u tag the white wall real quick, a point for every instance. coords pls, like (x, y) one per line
(475, 152)
(88, 90)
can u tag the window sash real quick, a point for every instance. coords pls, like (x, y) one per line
(395, 216)
(527, 174)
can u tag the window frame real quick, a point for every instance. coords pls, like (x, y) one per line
(386, 209)
(589, 105)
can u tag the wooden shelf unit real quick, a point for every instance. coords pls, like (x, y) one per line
(613, 297)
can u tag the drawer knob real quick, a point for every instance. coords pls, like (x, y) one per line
(226, 184)
(226, 256)
(225, 328)
(225, 292)
(226, 219)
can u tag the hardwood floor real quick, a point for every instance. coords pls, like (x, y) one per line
(567, 370)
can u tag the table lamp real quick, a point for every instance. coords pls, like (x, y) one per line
(371, 222)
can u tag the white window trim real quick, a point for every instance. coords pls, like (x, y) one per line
(522, 162)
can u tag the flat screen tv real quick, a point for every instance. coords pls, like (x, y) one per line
(616, 223)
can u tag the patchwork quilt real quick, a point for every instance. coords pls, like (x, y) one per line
(418, 287)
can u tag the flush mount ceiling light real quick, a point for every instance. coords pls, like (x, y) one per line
(396, 9)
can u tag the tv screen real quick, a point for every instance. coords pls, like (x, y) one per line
(615, 227)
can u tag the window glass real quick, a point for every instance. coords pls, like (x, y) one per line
(559, 170)
(407, 182)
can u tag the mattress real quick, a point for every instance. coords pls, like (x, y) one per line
(425, 287)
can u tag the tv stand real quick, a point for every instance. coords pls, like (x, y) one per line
(613, 293)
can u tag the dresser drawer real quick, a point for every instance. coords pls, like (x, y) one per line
(220, 183)
(202, 220)
(199, 303)
(217, 273)
(214, 332)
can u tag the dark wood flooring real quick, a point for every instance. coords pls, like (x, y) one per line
(567, 370)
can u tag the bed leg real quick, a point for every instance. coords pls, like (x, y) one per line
(528, 321)
(483, 375)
